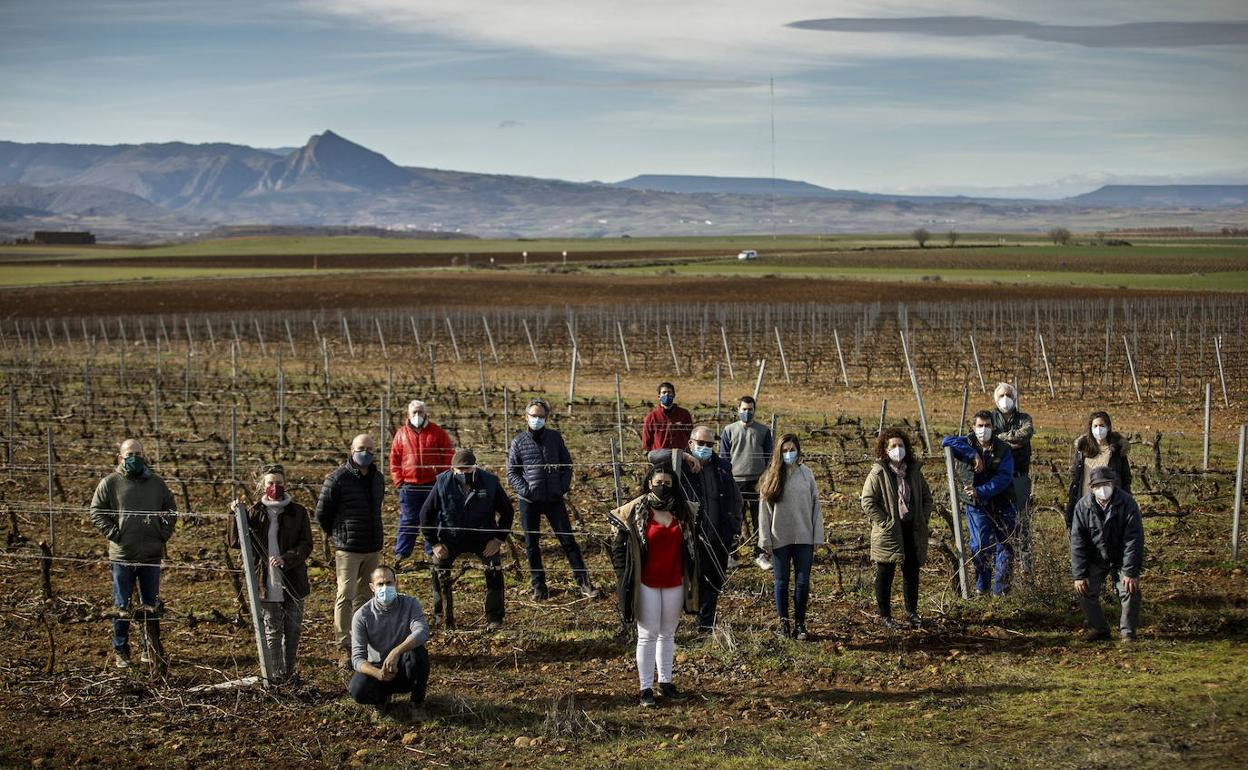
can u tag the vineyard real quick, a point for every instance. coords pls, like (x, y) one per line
(214, 397)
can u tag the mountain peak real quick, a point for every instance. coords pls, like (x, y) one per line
(328, 159)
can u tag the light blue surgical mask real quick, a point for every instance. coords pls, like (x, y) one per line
(386, 594)
(536, 423)
(790, 457)
(703, 453)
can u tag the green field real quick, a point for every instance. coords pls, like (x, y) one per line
(276, 246)
(1223, 281)
(22, 275)
(1151, 264)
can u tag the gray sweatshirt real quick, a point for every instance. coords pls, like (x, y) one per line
(748, 447)
(376, 631)
(796, 518)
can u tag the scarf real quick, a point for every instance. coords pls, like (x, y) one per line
(903, 491)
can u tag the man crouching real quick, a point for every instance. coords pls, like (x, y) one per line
(388, 636)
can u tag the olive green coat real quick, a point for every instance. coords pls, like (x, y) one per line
(879, 501)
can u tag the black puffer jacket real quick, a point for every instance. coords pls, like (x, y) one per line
(1118, 463)
(539, 467)
(349, 509)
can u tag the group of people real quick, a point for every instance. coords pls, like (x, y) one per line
(674, 543)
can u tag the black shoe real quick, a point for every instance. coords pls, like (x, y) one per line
(493, 625)
(784, 630)
(888, 623)
(647, 698)
(382, 709)
(800, 633)
(1095, 636)
(670, 692)
(540, 593)
(914, 620)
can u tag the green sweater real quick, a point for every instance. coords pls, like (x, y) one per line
(122, 510)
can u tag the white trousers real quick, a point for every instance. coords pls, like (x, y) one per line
(657, 618)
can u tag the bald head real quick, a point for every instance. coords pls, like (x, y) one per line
(362, 442)
(129, 447)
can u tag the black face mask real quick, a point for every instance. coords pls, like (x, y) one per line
(661, 497)
(464, 478)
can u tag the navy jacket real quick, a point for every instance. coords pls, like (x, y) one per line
(992, 486)
(1112, 539)
(539, 467)
(450, 516)
(349, 508)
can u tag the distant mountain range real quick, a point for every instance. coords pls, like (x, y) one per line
(172, 190)
(1120, 196)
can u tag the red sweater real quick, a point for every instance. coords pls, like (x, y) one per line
(666, 428)
(664, 567)
(417, 457)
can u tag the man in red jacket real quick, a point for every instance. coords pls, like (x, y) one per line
(667, 426)
(420, 451)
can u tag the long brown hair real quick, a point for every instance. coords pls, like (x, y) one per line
(771, 484)
(1092, 447)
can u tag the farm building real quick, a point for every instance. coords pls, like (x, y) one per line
(65, 237)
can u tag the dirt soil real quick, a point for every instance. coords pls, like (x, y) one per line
(483, 289)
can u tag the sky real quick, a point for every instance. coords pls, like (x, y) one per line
(959, 96)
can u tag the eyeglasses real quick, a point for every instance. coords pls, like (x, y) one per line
(704, 443)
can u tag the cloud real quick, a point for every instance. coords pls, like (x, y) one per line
(1153, 34)
(510, 124)
(647, 84)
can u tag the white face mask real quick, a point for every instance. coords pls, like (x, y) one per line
(984, 434)
(1103, 492)
(1100, 432)
(418, 421)
(1005, 404)
(897, 453)
(536, 423)
(790, 457)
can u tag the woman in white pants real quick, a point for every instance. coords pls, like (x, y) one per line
(654, 544)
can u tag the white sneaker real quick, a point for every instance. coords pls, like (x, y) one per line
(762, 561)
(733, 563)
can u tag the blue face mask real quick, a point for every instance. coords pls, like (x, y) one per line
(667, 399)
(536, 423)
(703, 453)
(790, 457)
(362, 458)
(747, 415)
(386, 594)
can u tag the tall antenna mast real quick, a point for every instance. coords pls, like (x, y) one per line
(773, 158)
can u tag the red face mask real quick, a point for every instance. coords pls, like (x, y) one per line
(275, 491)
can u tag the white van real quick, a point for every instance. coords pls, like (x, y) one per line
(748, 255)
